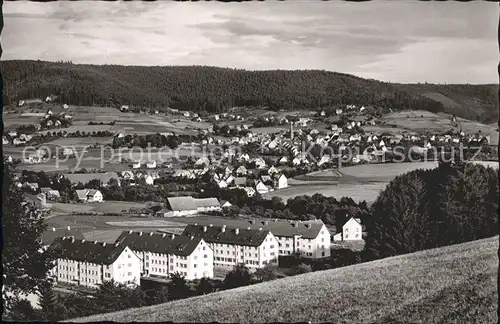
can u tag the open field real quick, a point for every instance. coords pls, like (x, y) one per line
(360, 182)
(454, 284)
(412, 121)
(385, 171)
(81, 128)
(104, 207)
(70, 165)
(79, 141)
(358, 192)
(146, 223)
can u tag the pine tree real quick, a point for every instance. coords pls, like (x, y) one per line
(25, 264)
(51, 307)
(178, 288)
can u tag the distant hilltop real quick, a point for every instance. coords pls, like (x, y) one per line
(214, 90)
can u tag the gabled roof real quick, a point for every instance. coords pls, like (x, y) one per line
(92, 192)
(207, 202)
(159, 243)
(49, 236)
(181, 203)
(87, 251)
(278, 227)
(214, 234)
(82, 194)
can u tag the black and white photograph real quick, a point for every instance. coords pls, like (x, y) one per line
(250, 162)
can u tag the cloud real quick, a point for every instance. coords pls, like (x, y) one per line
(391, 41)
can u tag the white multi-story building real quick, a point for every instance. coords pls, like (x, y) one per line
(165, 254)
(309, 239)
(252, 247)
(87, 263)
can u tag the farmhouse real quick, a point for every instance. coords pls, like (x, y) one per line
(351, 231)
(272, 170)
(151, 164)
(136, 165)
(50, 193)
(85, 263)
(261, 188)
(40, 201)
(280, 182)
(147, 179)
(250, 191)
(166, 254)
(89, 195)
(179, 206)
(259, 163)
(253, 247)
(207, 204)
(241, 171)
(225, 204)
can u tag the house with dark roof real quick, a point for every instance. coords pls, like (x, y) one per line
(89, 195)
(352, 230)
(89, 264)
(40, 201)
(163, 254)
(179, 206)
(310, 239)
(49, 236)
(187, 205)
(50, 193)
(207, 204)
(231, 246)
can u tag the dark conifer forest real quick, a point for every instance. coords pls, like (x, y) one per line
(211, 89)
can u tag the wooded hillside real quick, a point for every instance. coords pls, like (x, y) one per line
(214, 89)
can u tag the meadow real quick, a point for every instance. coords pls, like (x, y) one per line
(423, 121)
(356, 191)
(453, 284)
(360, 182)
(102, 208)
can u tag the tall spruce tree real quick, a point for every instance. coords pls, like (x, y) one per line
(25, 264)
(454, 203)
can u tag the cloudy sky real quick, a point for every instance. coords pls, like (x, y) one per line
(398, 41)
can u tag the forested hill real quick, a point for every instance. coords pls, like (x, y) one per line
(213, 89)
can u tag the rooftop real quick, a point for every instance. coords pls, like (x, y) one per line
(214, 234)
(86, 251)
(159, 242)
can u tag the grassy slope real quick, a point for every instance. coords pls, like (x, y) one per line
(447, 285)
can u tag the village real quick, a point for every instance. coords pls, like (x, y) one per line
(232, 156)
